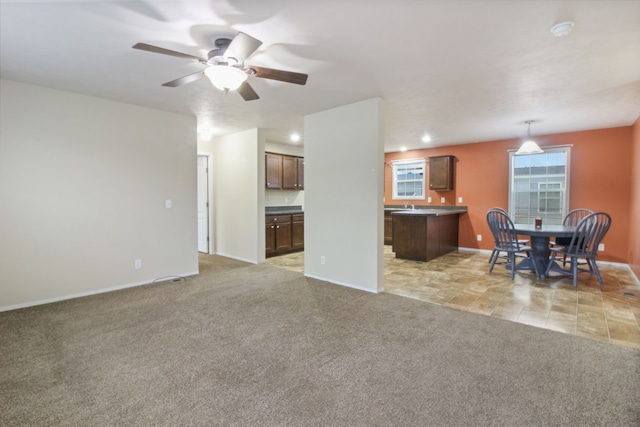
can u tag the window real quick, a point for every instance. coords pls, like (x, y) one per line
(539, 186)
(549, 197)
(408, 179)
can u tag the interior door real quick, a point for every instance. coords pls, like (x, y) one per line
(203, 204)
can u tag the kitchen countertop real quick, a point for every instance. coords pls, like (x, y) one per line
(283, 210)
(428, 211)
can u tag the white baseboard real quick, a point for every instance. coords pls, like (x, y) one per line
(236, 258)
(88, 293)
(347, 285)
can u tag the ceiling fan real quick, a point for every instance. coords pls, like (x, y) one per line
(226, 68)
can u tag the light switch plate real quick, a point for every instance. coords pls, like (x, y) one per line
(167, 204)
(459, 199)
(429, 199)
(441, 199)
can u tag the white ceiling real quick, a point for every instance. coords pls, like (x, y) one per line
(462, 71)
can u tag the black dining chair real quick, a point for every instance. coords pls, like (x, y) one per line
(583, 245)
(495, 252)
(572, 218)
(506, 240)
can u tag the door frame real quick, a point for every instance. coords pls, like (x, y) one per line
(207, 193)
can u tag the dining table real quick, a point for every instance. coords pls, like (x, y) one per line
(540, 238)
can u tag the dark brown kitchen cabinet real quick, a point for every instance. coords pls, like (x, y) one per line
(273, 166)
(300, 166)
(388, 228)
(284, 172)
(424, 237)
(297, 231)
(441, 173)
(278, 234)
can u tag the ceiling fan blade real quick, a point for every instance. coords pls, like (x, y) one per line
(184, 80)
(246, 92)
(283, 76)
(241, 47)
(156, 49)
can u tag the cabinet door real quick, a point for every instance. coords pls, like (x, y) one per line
(273, 166)
(300, 173)
(289, 173)
(270, 239)
(441, 173)
(297, 231)
(388, 229)
(283, 236)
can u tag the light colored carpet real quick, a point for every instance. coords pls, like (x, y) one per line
(256, 345)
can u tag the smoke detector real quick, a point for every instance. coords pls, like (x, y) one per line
(562, 29)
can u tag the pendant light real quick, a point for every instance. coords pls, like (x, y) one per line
(529, 146)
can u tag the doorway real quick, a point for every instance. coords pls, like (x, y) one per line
(203, 204)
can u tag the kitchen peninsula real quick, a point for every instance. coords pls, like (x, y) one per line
(425, 234)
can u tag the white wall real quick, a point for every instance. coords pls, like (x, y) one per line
(290, 150)
(83, 184)
(238, 195)
(344, 178)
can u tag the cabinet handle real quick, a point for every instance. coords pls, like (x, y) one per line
(272, 226)
(277, 226)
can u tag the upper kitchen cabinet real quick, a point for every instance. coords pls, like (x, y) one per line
(441, 173)
(284, 172)
(274, 171)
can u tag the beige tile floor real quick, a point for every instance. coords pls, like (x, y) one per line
(461, 280)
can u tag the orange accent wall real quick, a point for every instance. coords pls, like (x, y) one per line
(600, 179)
(634, 226)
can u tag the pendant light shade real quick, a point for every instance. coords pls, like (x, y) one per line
(225, 78)
(529, 146)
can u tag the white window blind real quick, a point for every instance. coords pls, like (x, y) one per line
(539, 186)
(408, 179)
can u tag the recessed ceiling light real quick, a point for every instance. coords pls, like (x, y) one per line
(295, 137)
(562, 29)
(205, 132)
(426, 138)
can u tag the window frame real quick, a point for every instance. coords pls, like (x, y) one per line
(396, 165)
(546, 192)
(552, 178)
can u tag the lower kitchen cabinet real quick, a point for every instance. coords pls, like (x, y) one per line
(388, 228)
(297, 231)
(424, 237)
(284, 234)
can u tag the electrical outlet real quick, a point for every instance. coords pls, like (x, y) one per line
(441, 199)
(459, 199)
(167, 204)
(137, 264)
(479, 237)
(601, 247)
(429, 199)
(323, 260)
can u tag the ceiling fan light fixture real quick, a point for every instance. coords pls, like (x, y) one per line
(529, 146)
(225, 78)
